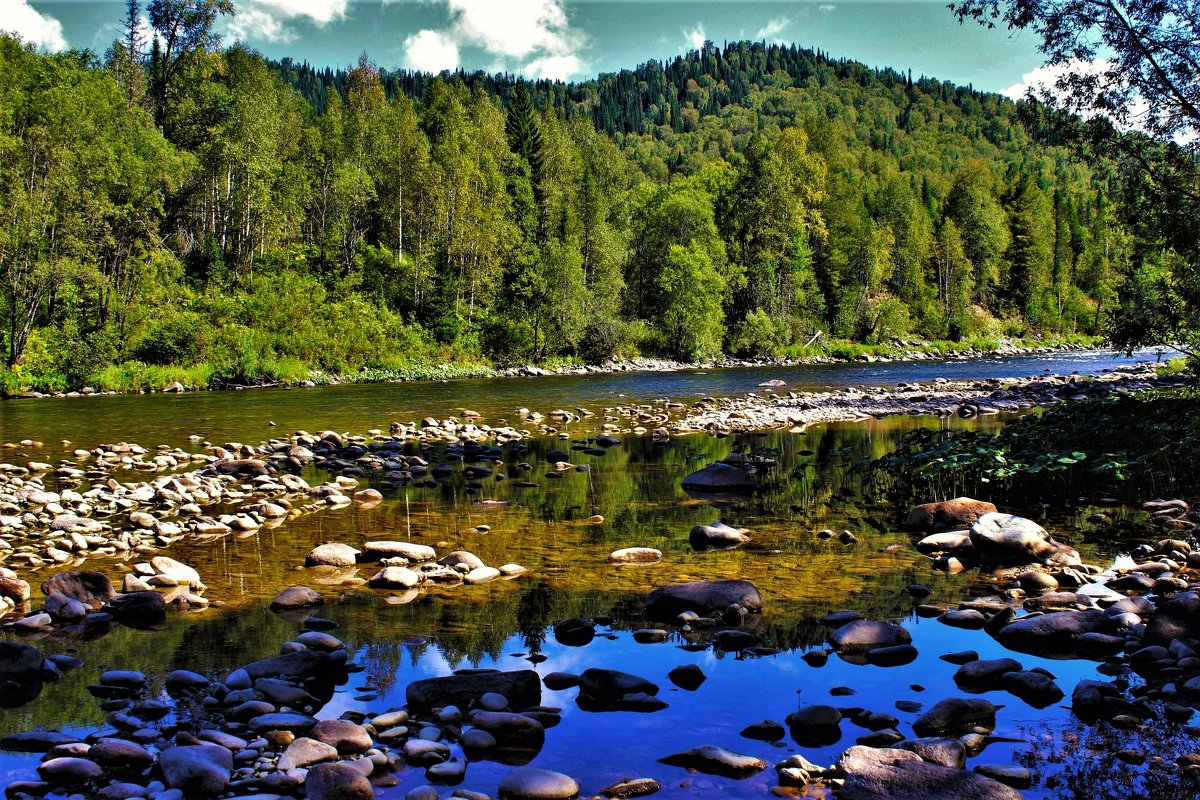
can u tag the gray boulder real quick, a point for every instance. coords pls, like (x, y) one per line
(862, 635)
(1011, 539)
(522, 689)
(874, 774)
(718, 478)
(717, 536)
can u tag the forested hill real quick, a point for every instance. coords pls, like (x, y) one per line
(229, 219)
(654, 94)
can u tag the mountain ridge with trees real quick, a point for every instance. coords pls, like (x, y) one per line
(268, 222)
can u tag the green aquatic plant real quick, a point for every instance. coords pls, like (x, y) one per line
(1143, 444)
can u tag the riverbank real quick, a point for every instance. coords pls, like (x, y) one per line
(942, 397)
(149, 380)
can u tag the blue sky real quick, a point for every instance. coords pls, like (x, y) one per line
(569, 39)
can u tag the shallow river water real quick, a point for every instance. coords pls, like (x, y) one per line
(636, 488)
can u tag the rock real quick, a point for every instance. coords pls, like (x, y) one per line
(68, 771)
(461, 560)
(1052, 634)
(119, 756)
(714, 760)
(16, 589)
(481, 575)
(1035, 688)
(1177, 617)
(180, 573)
(522, 688)
(945, 751)
(1009, 775)
(89, 588)
(862, 635)
(513, 731)
(815, 725)
(1012, 539)
(717, 536)
(610, 684)
(333, 554)
(766, 731)
(574, 632)
(304, 752)
(413, 553)
(891, 656)
(876, 774)
(957, 513)
(967, 618)
(200, 770)
(339, 781)
(952, 541)
(720, 477)
(22, 672)
(139, 610)
(341, 734)
(687, 676)
(181, 681)
(531, 783)
(64, 608)
(667, 602)
(35, 741)
(955, 716)
(297, 597)
(635, 555)
(631, 787)
(984, 674)
(282, 721)
(394, 578)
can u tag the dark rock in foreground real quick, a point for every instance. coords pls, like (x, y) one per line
(715, 760)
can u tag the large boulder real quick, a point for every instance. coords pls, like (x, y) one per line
(531, 783)
(720, 478)
(332, 554)
(1057, 634)
(1010, 539)
(522, 689)
(667, 602)
(874, 774)
(340, 781)
(948, 514)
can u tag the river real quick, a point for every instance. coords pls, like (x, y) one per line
(635, 487)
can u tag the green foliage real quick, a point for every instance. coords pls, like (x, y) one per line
(1144, 444)
(277, 223)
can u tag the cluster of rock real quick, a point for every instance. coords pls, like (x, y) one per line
(405, 567)
(942, 397)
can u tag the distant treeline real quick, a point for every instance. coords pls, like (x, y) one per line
(222, 218)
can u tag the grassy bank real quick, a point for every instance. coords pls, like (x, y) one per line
(420, 361)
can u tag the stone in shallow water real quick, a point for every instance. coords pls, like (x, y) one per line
(531, 783)
(333, 554)
(955, 716)
(715, 760)
(69, 771)
(297, 597)
(862, 635)
(667, 602)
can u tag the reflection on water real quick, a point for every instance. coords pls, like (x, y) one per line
(636, 488)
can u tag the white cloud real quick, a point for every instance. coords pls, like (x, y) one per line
(1045, 79)
(271, 20)
(533, 37)
(773, 28)
(696, 36)
(430, 51)
(826, 7)
(555, 68)
(43, 32)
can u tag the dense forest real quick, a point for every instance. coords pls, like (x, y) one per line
(200, 214)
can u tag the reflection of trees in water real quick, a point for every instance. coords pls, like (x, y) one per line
(1078, 761)
(533, 616)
